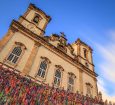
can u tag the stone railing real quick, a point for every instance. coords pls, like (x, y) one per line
(16, 89)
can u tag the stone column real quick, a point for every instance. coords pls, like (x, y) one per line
(30, 60)
(81, 80)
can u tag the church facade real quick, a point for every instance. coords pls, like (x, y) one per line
(48, 59)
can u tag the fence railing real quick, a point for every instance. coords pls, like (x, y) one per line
(16, 89)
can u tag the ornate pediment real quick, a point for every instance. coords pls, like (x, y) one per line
(59, 67)
(60, 42)
(89, 84)
(72, 74)
(62, 48)
(71, 49)
(46, 59)
(54, 37)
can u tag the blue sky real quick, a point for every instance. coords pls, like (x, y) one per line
(91, 20)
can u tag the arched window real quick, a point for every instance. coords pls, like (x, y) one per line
(86, 64)
(42, 69)
(71, 84)
(85, 53)
(57, 78)
(15, 54)
(89, 89)
(71, 81)
(36, 19)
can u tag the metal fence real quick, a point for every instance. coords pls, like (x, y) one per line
(16, 89)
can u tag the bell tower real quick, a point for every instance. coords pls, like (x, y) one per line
(84, 54)
(23, 38)
(35, 20)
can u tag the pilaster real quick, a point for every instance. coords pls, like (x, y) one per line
(81, 80)
(30, 60)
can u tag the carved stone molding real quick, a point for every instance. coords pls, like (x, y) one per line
(37, 44)
(46, 38)
(59, 67)
(71, 50)
(70, 47)
(87, 83)
(21, 44)
(13, 29)
(62, 48)
(46, 59)
(72, 74)
(54, 37)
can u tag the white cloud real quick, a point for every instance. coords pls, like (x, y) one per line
(101, 85)
(107, 66)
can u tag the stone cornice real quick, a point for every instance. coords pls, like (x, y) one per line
(87, 69)
(86, 60)
(32, 23)
(89, 84)
(41, 40)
